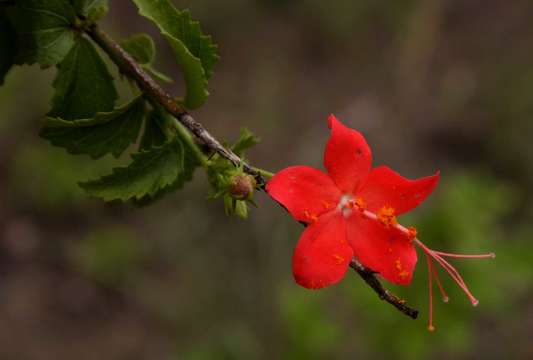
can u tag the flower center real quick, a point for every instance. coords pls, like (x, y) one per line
(346, 205)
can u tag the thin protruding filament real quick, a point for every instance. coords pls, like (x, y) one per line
(435, 272)
(438, 256)
(465, 256)
(457, 277)
(454, 274)
(430, 284)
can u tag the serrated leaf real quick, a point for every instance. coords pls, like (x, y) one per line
(91, 9)
(195, 51)
(83, 84)
(7, 47)
(193, 73)
(153, 136)
(142, 48)
(246, 140)
(151, 173)
(106, 133)
(44, 30)
(189, 163)
(180, 25)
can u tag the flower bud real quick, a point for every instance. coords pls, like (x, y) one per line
(242, 186)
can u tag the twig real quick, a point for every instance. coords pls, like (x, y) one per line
(128, 66)
(370, 278)
(155, 93)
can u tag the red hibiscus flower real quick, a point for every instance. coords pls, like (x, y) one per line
(350, 212)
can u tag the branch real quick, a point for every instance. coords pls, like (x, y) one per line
(128, 66)
(157, 95)
(370, 278)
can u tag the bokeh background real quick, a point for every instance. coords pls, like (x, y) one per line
(440, 84)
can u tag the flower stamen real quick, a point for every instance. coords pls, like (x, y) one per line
(312, 218)
(385, 216)
(445, 296)
(411, 233)
(360, 203)
(430, 285)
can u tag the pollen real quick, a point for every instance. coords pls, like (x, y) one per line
(411, 233)
(326, 205)
(398, 264)
(386, 216)
(338, 259)
(310, 216)
(360, 203)
(403, 274)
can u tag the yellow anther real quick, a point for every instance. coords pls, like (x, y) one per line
(386, 216)
(311, 217)
(398, 265)
(403, 274)
(360, 203)
(338, 259)
(411, 233)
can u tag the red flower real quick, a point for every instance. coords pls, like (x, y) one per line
(351, 213)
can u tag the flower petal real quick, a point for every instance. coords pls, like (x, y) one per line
(384, 250)
(385, 187)
(304, 191)
(322, 254)
(347, 157)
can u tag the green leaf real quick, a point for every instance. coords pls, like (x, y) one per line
(153, 135)
(241, 209)
(44, 28)
(195, 51)
(193, 73)
(151, 174)
(91, 9)
(110, 132)
(83, 85)
(7, 47)
(142, 48)
(158, 75)
(246, 141)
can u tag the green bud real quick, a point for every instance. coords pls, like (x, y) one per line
(242, 186)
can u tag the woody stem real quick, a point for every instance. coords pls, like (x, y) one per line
(161, 98)
(370, 278)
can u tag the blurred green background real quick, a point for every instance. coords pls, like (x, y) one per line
(440, 84)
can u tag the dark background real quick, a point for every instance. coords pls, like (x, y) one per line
(432, 84)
